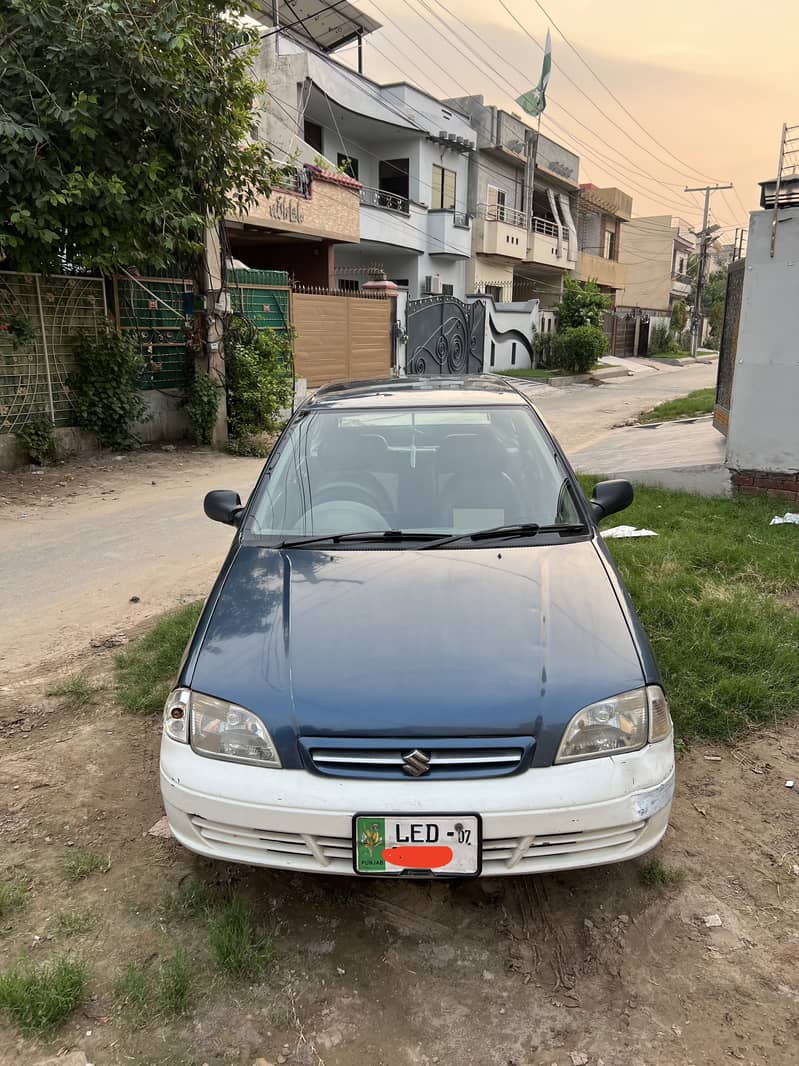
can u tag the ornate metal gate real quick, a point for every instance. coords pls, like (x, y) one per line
(445, 336)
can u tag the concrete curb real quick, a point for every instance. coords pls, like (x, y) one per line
(707, 360)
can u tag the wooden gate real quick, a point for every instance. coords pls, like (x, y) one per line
(341, 336)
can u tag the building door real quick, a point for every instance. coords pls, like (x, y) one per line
(445, 336)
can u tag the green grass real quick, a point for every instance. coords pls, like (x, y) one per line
(655, 873)
(134, 992)
(12, 895)
(539, 374)
(82, 862)
(146, 670)
(195, 899)
(239, 947)
(72, 923)
(669, 355)
(707, 590)
(143, 992)
(175, 982)
(39, 998)
(698, 402)
(77, 692)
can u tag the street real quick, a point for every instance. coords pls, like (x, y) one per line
(95, 548)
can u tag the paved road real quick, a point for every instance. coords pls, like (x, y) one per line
(74, 552)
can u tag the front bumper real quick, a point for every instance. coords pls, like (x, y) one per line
(553, 818)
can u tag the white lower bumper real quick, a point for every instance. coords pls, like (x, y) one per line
(552, 818)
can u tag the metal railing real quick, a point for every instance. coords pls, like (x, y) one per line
(386, 201)
(543, 225)
(501, 213)
(298, 181)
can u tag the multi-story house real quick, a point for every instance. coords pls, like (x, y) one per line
(601, 216)
(408, 152)
(655, 253)
(524, 197)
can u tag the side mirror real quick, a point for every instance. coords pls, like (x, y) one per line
(609, 497)
(222, 505)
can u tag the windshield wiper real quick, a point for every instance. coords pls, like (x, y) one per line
(338, 538)
(520, 529)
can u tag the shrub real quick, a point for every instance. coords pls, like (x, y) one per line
(582, 304)
(260, 380)
(679, 317)
(662, 341)
(104, 387)
(577, 349)
(202, 406)
(543, 349)
(37, 439)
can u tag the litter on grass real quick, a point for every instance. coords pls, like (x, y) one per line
(622, 532)
(787, 519)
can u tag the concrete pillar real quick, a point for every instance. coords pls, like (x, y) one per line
(215, 305)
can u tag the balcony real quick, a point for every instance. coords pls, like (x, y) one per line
(387, 218)
(680, 286)
(450, 233)
(606, 272)
(542, 246)
(500, 230)
(386, 201)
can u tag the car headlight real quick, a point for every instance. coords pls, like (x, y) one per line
(613, 726)
(219, 729)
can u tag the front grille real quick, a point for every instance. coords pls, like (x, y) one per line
(532, 852)
(422, 759)
(261, 844)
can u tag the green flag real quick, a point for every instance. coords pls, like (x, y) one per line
(535, 100)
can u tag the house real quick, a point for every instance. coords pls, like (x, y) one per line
(601, 216)
(655, 253)
(405, 152)
(524, 196)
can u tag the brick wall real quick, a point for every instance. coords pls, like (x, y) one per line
(759, 483)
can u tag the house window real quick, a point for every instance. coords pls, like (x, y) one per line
(347, 165)
(394, 176)
(312, 135)
(496, 204)
(513, 354)
(447, 290)
(401, 283)
(494, 291)
(443, 194)
(609, 251)
(348, 285)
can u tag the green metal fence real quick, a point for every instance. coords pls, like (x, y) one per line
(158, 312)
(39, 317)
(262, 296)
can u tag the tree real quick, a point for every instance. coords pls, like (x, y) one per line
(679, 317)
(124, 126)
(579, 347)
(582, 304)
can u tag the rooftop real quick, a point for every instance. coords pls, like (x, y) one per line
(444, 391)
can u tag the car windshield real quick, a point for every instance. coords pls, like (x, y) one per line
(449, 471)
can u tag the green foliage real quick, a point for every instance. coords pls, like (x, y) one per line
(582, 304)
(174, 985)
(259, 380)
(696, 403)
(37, 439)
(17, 326)
(72, 923)
(655, 874)
(662, 341)
(146, 670)
(77, 691)
(716, 607)
(124, 126)
(13, 895)
(239, 947)
(104, 387)
(250, 447)
(82, 862)
(579, 347)
(141, 992)
(543, 349)
(38, 999)
(679, 317)
(202, 405)
(194, 899)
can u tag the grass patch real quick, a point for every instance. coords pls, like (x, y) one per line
(77, 692)
(239, 947)
(38, 999)
(72, 923)
(82, 862)
(12, 895)
(134, 992)
(655, 873)
(146, 670)
(143, 993)
(540, 374)
(707, 590)
(195, 899)
(174, 986)
(698, 402)
(669, 355)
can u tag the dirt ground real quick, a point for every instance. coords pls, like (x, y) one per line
(584, 968)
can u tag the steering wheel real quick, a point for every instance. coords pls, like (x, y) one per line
(340, 516)
(375, 496)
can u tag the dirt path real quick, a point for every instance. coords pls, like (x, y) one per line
(517, 972)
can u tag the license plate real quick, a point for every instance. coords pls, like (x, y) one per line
(438, 845)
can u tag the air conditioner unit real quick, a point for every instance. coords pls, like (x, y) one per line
(452, 136)
(432, 285)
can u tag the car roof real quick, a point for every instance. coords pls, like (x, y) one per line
(445, 391)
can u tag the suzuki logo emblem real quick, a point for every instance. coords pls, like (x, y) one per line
(416, 762)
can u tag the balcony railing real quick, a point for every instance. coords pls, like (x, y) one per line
(386, 201)
(461, 220)
(500, 213)
(298, 181)
(543, 225)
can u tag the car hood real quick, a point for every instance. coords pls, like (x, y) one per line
(412, 644)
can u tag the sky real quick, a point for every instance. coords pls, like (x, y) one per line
(712, 84)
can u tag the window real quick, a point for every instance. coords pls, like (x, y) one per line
(393, 177)
(513, 354)
(495, 291)
(348, 165)
(493, 353)
(443, 194)
(496, 204)
(312, 135)
(609, 251)
(402, 283)
(447, 290)
(348, 285)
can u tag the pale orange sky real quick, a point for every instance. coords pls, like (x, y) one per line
(713, 84)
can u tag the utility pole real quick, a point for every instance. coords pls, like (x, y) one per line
(704, 242)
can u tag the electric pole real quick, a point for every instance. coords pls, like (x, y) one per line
(704, 242)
